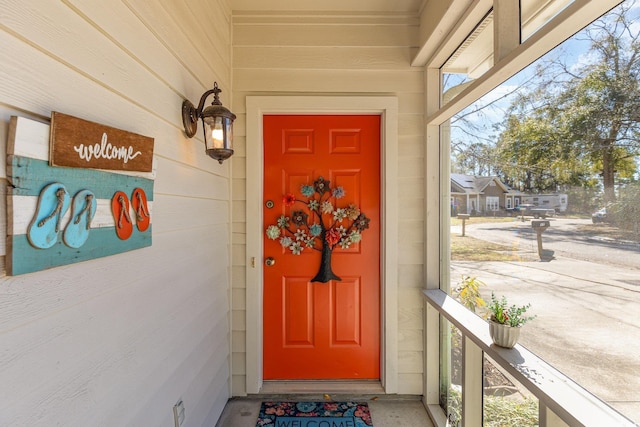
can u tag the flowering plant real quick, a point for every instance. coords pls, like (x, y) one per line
(501, 312)
(322, 226)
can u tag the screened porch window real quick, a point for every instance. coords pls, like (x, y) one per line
(563, 128)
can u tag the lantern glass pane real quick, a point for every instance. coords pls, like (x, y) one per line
(213, 132)
(228, 127)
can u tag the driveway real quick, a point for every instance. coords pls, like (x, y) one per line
(587, 302)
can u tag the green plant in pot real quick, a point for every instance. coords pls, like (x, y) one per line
(505, 321)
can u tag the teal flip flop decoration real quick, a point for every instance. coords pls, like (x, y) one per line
(53, 203)
(83, 209)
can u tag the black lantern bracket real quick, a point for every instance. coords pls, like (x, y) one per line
(216, 111)
(191, 114)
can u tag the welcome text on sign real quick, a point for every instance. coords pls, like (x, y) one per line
(105, 150)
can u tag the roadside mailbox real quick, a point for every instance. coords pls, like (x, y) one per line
(539, 226)
(464, 218)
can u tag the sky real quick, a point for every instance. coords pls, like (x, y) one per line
(574, 51)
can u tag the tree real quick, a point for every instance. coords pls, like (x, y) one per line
(626, 211)
(581, 121)
(534, 158)
(473, 149)
(475, 159)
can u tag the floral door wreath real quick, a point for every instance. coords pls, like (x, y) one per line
(325, 228)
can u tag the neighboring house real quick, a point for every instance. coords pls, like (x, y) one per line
(481, 195)
(513, 199)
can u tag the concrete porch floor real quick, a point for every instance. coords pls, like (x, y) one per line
(386, 410)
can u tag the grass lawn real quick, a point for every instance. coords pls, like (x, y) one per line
(484, 219)
(609, 231)
(471, 249)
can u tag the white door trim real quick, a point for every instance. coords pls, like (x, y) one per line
(387, 107)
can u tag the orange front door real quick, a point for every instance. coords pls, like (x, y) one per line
(322, 179)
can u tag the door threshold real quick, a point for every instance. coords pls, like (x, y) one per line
(322, 387)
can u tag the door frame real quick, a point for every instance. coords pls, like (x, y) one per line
(387, 108)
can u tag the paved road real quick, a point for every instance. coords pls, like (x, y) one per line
(588, 310)
(561, 237)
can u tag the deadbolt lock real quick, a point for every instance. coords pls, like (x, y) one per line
(270, 262)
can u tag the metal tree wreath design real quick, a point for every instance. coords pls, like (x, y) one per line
(326, 228)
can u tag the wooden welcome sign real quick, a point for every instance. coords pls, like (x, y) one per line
(80, 143)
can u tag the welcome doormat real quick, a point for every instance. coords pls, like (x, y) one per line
(314, 414)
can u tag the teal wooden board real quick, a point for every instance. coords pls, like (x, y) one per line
(102, 242)
(29, 176)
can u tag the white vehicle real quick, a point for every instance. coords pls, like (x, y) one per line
(555, 201)
(534, 211)
(599, 216)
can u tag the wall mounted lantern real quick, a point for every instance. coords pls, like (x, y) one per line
(217, 122)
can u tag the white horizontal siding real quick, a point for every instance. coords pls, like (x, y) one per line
(119, 340)
(337, 55)
(344, 58)
(323, 35)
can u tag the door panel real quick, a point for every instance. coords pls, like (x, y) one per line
(345, 312)
(318, 330)
(297, 313)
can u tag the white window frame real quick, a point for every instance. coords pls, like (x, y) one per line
(492, 203)
(567, 22)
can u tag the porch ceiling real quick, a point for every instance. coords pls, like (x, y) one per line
(329, 6)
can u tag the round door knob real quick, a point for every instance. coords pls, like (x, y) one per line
(270, 262)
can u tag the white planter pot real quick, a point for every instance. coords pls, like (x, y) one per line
(503, 335)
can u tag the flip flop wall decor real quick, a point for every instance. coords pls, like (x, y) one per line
(53, 203)
(121, 216)
(83, 209)
(139, 203)
(63, 215)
